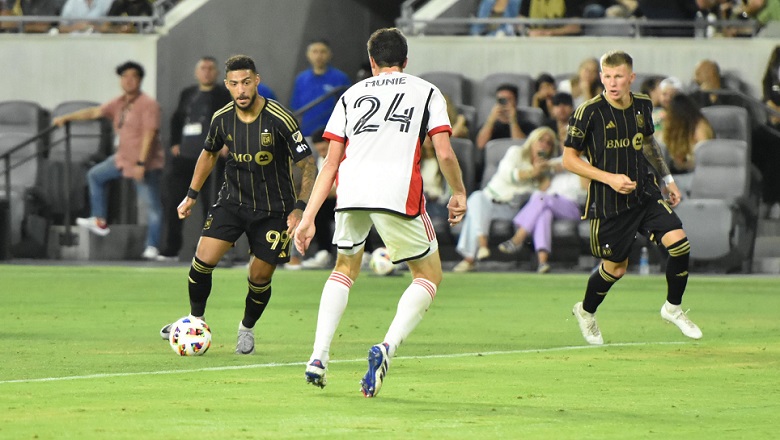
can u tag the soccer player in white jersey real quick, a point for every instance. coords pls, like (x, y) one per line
(376, 132)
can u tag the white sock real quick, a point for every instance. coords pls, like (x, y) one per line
(411, 308)
(334, 298)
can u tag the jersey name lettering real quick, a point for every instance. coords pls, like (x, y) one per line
(385, 82)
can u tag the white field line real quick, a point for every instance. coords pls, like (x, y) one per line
(292, 364)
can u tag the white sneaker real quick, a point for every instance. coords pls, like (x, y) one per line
(320, 260)
(150, 253)
(464, 266)
(588, 325)
(91, 223)
(483, 253)
(676, 316)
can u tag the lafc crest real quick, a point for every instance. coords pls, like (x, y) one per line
(640, 120)
(266, 139)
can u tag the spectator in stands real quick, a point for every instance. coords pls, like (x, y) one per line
(51, 8)
(544, 89)
(685, 127)
(127, 8)
(521, 171)
(502, 122)
(763, 11)
(707, 78)
(80, 9)
(585, 84)
(669, 88)
(561, 110)
(496, 9)
(545, 9)
(136, 121)
(651, 87)
(320, 79)
(460, 127)
(766, 154)
(189, 126)
(680, 10)
(558, 198)
(771, 86)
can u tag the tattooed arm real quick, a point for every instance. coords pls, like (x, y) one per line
(308, 177)
(653, 154)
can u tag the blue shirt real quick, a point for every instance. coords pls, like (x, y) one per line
(266, 92)
(309, 87)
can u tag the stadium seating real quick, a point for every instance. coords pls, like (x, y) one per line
(25, 165)
(466, 154)
(721, 214)
(24, 117)
(456, 86)
(530, 114)
(729, 122)
(89, 142)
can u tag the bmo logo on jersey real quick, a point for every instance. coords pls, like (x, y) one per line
(260, 158)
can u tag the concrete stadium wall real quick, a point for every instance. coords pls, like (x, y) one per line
(476, 57)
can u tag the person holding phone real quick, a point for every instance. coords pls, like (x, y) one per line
(502, 122)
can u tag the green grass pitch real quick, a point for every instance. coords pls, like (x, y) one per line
(498, 356)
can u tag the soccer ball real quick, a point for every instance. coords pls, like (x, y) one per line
(190, 336)
(380, 262)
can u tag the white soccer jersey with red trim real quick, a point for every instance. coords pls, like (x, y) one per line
(383, 121)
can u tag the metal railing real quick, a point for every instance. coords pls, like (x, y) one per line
(142, 24)
(337, 91)
(633, 27)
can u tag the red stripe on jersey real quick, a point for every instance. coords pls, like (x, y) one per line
(440, 129)
(427, 285)
(414, 196)
(333, 137)
(340, 278)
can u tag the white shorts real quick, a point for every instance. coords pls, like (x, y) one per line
(405, 238)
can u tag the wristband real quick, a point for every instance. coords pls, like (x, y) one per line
(140, 163)
(191, 193)
(300, 204)
(668, 179)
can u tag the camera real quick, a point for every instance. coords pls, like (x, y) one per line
(543, 155)
(502, 101)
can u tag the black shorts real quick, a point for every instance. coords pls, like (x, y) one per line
(612, 238)
(268, 238)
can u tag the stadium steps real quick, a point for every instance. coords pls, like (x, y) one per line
(766, 255)
(125, 242)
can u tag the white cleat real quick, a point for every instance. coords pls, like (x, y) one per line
(680, 318)
(588, 325)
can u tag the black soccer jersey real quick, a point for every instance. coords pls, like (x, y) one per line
(258, 170)
(612, 140)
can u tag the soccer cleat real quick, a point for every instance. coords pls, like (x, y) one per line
(588, 325)
(165, 332)
(378, 363)
(315, 373)
(681, 320)
(246, 342)
(91, 223)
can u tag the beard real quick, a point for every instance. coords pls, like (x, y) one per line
(251, 102)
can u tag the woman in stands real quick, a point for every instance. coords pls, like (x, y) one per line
(521, 171)
(585, 84)
(685, 127)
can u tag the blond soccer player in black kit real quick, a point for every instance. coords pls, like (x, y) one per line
(615, 133)
(258, 197)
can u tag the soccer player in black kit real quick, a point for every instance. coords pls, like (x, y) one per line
(615, 133)
(258, 196)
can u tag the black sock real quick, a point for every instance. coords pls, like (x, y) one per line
(256, 300)
(677, 270)
(599, 284)
(199, 283)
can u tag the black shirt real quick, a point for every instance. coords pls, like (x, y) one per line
(612, 141)
(190, 122)
(258, 171)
